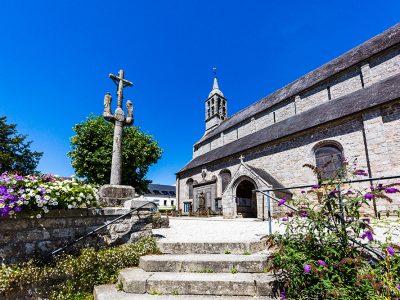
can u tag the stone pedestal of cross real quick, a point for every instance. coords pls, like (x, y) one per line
(115, 194)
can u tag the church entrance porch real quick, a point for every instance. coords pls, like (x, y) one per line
(246, 202)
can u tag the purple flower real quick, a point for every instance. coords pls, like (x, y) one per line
(303, 214)
(282, 295)
(398, 286)
(368, 234)
(18, 209)
(282, 201)
(303, 192)
(19, 178)
(289, 214)
(315, 186)
(390, 250)
(380, 187)
(285, 219)
(307, 269)
(349, 192)
(369, 196)
(333, 193)
(360, 172)
(322, 263)
(391, 190)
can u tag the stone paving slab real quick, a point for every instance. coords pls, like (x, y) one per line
(211, 263)
(110, 292)
(214, 230)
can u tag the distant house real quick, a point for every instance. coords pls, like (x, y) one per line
(163, 195)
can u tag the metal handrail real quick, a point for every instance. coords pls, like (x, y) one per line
(332, 183)
(266, 192)
(59, 250)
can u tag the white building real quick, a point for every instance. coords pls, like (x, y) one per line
(163, 195)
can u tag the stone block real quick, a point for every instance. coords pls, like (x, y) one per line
(115, 195)
(134, 280)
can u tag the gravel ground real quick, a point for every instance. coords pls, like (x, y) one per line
(217, 229)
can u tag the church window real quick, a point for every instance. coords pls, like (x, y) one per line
(225, 179)
(329, 160)
(189, 184)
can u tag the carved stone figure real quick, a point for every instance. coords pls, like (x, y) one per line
(202, 200)
(129, 108)
(107, 105)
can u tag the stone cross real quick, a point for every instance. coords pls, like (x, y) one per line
(119, 121)
(241, 158)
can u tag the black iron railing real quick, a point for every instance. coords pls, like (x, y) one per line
(267, 193)
(62, 249)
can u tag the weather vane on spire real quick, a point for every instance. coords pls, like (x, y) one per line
(215, 71)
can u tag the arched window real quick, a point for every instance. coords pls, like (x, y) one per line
(329, 159)
(189, 184)
(225, 178)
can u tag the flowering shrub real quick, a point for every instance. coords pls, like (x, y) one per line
(329, 251)
(36, 195)
(71, 277)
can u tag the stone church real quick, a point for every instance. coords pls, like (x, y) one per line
(349, 108)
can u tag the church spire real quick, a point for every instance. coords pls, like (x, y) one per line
(215, 89)
(216, 105)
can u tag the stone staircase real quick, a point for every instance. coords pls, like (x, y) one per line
(196, 271)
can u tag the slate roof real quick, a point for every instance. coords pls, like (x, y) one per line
(374, 95)
(356, 55)
(160, 189)
(266, 177)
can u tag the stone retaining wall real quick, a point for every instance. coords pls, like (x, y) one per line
(23, 238)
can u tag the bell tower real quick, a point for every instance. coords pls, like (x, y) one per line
(216, 106)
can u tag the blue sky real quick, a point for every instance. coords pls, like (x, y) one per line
(55, 57)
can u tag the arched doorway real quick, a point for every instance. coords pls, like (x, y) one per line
(246, 202)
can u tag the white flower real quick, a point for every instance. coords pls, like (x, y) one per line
(37, 197)
(38, 216)
(72, 198)
(70, 206)
(47, 197)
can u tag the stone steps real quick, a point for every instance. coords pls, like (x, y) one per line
(211, 248)
(196, 271)
(205, 263)
(110, 292)
(138, 281)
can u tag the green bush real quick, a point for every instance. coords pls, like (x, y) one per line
(73, 277)
(318, 255)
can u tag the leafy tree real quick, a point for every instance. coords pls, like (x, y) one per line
(15, 152)
(92, 153)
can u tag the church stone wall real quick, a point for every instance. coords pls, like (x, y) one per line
(284, 159)
(377, 68)
(347, 83)
(384, 66)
